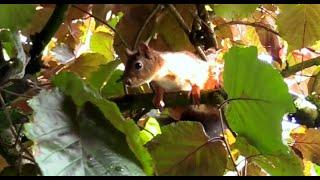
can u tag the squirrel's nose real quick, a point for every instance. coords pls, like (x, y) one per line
(128, 82)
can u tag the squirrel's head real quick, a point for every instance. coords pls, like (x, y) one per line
(141, 65)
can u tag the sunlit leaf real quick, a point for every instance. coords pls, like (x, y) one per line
(102, 42)
(183, 148)
(247, 77)
(231, 11)
(298, 24)
(150, 130)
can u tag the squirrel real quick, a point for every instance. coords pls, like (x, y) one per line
(174, 72)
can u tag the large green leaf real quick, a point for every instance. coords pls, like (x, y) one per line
(184, 149)
(276, 164)
(102, 42)
(231, 11)
(299, 24)
(103, 74)
(80, 92)
(16, 16)
(258, 119)
(67, 143)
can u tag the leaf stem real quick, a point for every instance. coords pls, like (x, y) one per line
(226, 142)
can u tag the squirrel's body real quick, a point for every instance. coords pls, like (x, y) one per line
(173, 72)
(181, 70)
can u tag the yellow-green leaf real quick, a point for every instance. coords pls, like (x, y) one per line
(299, 24)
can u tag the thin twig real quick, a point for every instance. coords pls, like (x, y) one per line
(8, 117)
(226, 142)
(103, 22)
(246, 99)
(254, 24)
(179, 18)
(296, 68)
(14, 93)
(185, 28)
(155, 10)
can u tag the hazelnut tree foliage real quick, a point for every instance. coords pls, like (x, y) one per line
(65, 111)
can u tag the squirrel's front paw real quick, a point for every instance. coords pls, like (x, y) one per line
(195, 95)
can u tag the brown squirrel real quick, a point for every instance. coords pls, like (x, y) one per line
(173, 72)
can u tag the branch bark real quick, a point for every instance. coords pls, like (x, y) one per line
(40, 40)
(139, 101)
(185, 28)
(298, 67)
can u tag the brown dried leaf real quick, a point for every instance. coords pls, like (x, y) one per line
(269, 40)
(255, 170)
(308, 144)
(3, 163)
(170, 35)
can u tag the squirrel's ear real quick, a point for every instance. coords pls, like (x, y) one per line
(129, 52)
(144, 50)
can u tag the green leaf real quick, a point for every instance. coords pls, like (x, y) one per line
(114, 87)
(87, 63)
(286, 164)
(298, 24)
(16, 118)
(114, 20)
(234, 11)
(317, 169)
(67, 143)
(151, 129)
(16, 16)
(75, 87)
(103, 74)
(184, 149)
(8, 42)
(102, 43)
(247, 77)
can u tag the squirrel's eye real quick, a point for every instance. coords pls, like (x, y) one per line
(138, 65)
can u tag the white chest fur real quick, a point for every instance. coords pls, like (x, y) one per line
(185, 69)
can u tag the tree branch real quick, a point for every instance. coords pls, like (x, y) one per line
(137, 41)
(134, 101)
(40, 40)
(185, 28)
(253, 24)
(210, 38)
(298, 67)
